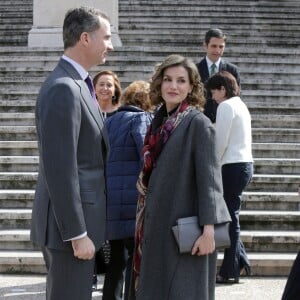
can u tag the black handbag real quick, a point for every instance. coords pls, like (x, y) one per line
(188, 230)
(102, 258)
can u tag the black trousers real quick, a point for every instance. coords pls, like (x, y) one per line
(292, 287)
(235, 178)
(121, 255)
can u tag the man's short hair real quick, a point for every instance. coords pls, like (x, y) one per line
(214, 33)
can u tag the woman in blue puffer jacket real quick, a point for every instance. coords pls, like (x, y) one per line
(126, 132)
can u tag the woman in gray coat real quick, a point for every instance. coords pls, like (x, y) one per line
(180, 178)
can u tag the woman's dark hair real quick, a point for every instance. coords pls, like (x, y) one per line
(117, 84)
(225, 79)
(195, 98)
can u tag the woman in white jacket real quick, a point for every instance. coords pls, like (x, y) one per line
(233, 144)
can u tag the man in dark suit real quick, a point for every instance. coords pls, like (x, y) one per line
(69, 209)
(214, 45)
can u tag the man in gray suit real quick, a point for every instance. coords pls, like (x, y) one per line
(68, 217)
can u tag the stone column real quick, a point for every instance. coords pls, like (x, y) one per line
(48, 19)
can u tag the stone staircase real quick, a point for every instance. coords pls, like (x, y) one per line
(263, 40)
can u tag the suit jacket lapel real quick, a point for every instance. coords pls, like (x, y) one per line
(93, 108)
(87, 98)
(204, 70)
(222, 66)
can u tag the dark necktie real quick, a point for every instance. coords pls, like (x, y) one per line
(213, 69)
(90, 85)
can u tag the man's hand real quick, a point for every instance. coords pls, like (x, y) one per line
(83, 248)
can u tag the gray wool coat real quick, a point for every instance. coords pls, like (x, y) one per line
(185, 182)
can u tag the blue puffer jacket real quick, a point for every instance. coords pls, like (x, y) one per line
(126, 132)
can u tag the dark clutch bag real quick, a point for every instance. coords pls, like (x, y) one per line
(188, 230)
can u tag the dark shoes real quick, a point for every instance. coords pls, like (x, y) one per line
(245, 271)
(222, 280)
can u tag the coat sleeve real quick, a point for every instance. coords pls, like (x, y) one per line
(60, 120)
(212, 208)
(139, 128)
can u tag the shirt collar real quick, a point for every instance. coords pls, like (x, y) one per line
(209, 63)
(82, 72)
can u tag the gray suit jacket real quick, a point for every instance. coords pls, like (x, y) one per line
(70, 194)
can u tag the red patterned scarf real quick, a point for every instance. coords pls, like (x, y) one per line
(156, 137)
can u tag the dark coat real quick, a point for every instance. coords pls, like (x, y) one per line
(126, 131)
(210, 109)
(186, 181)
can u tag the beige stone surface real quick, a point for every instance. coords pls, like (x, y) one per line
(32, 287)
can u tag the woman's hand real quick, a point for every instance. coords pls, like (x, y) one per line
(205, 244)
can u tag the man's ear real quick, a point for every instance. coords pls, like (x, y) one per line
(85, 38)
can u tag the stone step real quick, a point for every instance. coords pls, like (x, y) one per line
(22, 262)
(276, 150)
(266, 264)
(264, 107)
(282, 121)
(20, 218)
(259, 82)
(254, 241)
(251, 200)
(281, 102)
(15, 218)
(274, 183)
(275, 166)
(258, 120)
(142, 53)
(19, 163)
(16, 239)
(17, 106)
(181, 4)
(16, 199)
(19, 3)
(259, 182)
(133, 30)
(229, 3)
(127, 57)
(271, 121)
(270, 220)
(200, 9)
(18, 180)
(268, 106)
(13, 51)
(276, 135)
(17, 133)
(260, 150)
(17, 119)
(135, 38)
(271, 241)
(270, 100)
(18, 148)
(282, 201)
(142, 20)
